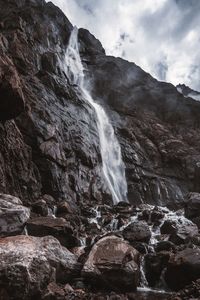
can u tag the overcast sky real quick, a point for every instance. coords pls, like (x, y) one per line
(161, 36)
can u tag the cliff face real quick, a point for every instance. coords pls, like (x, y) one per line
(48, 135)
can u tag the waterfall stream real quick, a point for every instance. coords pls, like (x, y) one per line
(112, 164)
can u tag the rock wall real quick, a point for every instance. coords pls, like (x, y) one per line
(49, 140)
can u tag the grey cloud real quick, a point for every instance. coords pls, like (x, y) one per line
(161, 36)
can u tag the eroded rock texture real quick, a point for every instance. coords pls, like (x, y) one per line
(29, 264)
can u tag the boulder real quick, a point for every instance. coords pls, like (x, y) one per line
(164, 246)
(191, 291)
(57, 227)
(180, 230)
(183, 268)
(137, 232)
(112, 263)
(29, 264)
(154, 265)
(13, 215)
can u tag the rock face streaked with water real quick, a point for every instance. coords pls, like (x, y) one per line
(79, 131)
(113, 167)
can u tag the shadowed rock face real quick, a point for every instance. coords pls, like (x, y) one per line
(53, 146)
(183, 268)
(12, 99)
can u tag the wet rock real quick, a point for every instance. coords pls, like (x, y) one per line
(180, 231)
(40, 207)
(183, 268)
(164, 246)
(29, 264)
(157, 215)
(123, 208)
(57, 227)
(112, 263)
(192, 208)
(13, 215)
(137, 232)
(191, 291)
(168, 227)
(154, 265)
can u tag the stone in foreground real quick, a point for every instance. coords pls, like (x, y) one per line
(29, 264)
(183, 268)
(113, 264)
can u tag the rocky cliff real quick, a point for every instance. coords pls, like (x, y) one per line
(49, 140)
(49, 144)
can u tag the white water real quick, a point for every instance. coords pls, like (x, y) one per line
(113, 166)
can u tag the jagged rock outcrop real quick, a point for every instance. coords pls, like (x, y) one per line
(188, 92)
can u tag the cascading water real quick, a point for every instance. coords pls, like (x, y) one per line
(113, 166)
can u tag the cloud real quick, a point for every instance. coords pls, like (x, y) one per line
(161, 36)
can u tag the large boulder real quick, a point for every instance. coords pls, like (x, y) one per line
(180, 230)
(137, 232)
(183, 268)
(29, 264)
(13, 215)
(154, 265)
(112, 263)
(57, 227)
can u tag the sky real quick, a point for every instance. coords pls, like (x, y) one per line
(161, 36)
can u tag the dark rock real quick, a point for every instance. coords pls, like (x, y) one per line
(191, 291)
(180, 231)
(137, 232)
(164, 246)
(29, 264)
(40, 207)
(12, 99)
(64, 208)
(145, 215)
(112, 263)
(154, 265)
(192, 206)
(157, 215)
(168, 227)
(183, 268)
(57, 227)
(13, 215)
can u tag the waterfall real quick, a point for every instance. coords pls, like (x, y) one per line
(112, 164)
